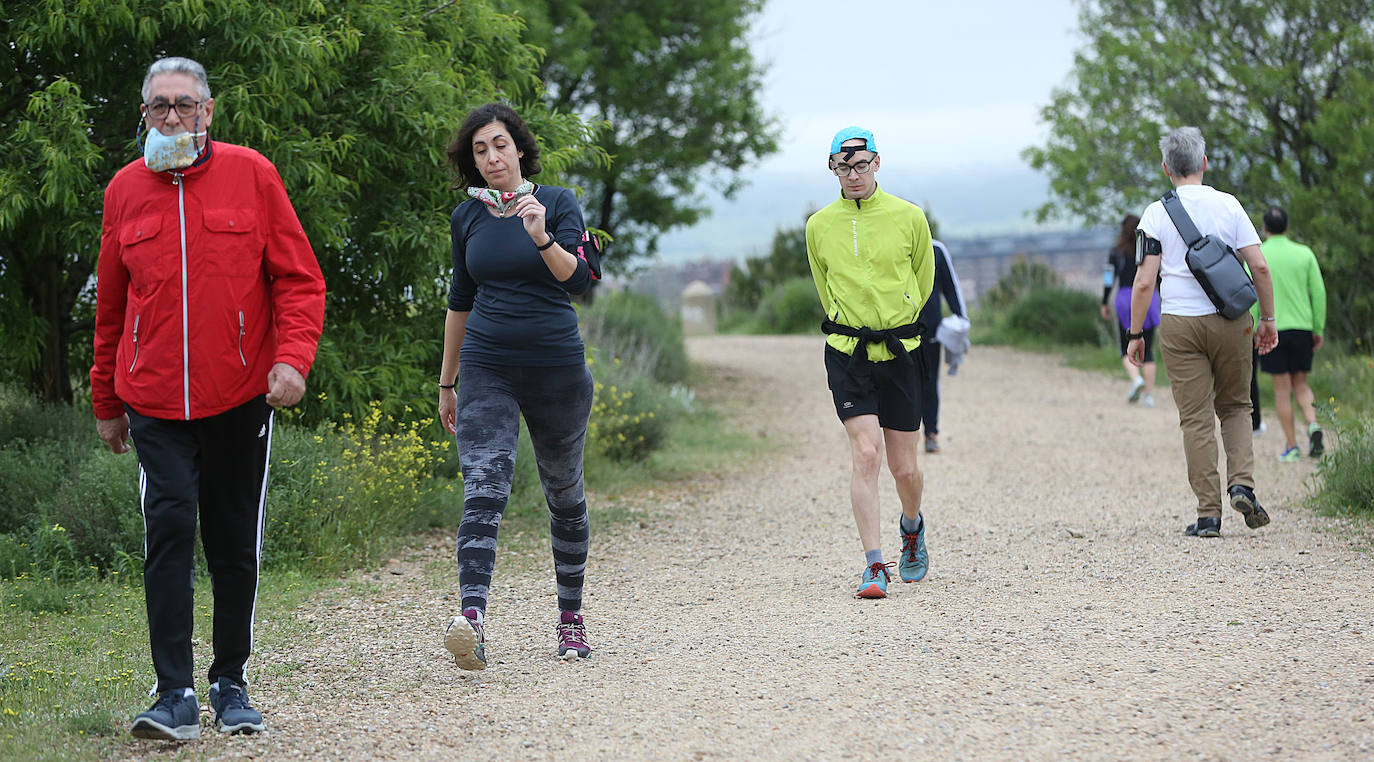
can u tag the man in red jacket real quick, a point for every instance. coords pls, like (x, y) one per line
(209, 309)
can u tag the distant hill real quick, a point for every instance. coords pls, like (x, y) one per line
(984, 202)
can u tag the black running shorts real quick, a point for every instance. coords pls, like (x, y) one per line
(890, 390)
(1292, 355)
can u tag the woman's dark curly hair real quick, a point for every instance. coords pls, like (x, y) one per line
(460, 150)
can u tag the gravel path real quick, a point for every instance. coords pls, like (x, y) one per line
(1065, 614)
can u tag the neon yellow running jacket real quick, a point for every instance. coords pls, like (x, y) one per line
(873, 265)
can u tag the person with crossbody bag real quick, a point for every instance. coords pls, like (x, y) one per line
(1192, 241)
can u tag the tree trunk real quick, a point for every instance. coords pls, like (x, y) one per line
(45, 291)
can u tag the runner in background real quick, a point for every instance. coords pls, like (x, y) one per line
(1120, 273)
(946, 286)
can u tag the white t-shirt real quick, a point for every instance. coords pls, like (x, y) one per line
(1214, 213)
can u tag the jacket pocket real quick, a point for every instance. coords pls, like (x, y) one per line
(242, 330)
(231, 242)
(145, 253)
(134, 351)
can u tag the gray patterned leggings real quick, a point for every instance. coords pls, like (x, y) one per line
(556, 403)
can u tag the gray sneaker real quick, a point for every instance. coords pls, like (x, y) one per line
(174, 717)
(233, 713)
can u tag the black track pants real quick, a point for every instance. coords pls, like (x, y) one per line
(216, 466)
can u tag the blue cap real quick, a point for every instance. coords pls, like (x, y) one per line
(850, 133)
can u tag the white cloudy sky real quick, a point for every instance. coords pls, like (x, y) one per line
(942, 84)
(951, 91)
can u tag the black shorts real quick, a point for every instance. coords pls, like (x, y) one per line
(1292, 355)
(1149, 339)
(890, 390)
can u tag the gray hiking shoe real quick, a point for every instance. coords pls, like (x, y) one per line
(173, 717)
(233, 713)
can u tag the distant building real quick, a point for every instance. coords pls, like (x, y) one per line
(665, 283)
(1077, 255)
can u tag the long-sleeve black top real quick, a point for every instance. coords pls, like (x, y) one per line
(519, 313)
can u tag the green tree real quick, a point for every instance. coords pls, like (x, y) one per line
(678, 86)
(1284, 93)
(757, 276)
(353, 101)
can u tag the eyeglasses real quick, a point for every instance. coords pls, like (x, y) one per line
(862, 167)
(186, 108)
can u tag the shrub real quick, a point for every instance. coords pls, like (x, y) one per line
(1346, 472)
(628, 420)
(1057, 315)
(338, 494)
(1024, 277)
(792, 307)
(630, 328)
(342, 493)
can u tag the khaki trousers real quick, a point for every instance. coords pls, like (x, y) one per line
(1208, 359)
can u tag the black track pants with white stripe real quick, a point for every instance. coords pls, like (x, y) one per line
(215, 467)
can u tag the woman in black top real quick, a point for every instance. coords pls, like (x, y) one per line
(1121, 273)
(511, 328)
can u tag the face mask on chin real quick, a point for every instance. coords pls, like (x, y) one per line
(163, 152)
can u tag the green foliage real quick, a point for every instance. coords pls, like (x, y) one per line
(74, 659)
(629, 415)
(339, 495)
(1284, 93)
(790, 307)
(631, 330)
(1057, 315)
(1344, 385)
(68, 504)
(353, 101)
(1346, 472)
(634, 351)
(679, 87)
(1023, 277)
(343, 494)
(751, 280)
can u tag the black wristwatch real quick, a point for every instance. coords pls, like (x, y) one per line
(1133, 336)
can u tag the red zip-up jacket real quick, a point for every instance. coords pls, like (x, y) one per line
(205, 280)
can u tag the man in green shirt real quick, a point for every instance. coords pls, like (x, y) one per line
(1300, 309)
(874, 268)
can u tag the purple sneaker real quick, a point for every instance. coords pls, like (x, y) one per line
(572, 636)
(466, 638)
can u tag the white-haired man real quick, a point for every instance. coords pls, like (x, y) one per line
(209, 306)
(1207, 355)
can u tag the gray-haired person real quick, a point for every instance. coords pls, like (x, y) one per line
(209, 306)
(1208, 356)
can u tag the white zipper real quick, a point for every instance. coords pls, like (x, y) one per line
(245, 362)
(177, 180)
(854, 226)
(134, 361)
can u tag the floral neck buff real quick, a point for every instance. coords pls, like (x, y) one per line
(501, 202)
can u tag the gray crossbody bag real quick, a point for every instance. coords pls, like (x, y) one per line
(1216, 266)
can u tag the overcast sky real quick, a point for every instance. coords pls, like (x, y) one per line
(941, 84)
(951, 90)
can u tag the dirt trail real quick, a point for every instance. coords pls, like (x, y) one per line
(1065, 614)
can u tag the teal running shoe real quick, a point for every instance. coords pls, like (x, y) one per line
(914, 561)
(1291, 455)
(873, 584)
